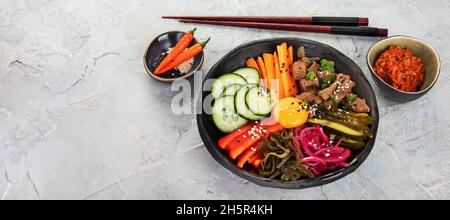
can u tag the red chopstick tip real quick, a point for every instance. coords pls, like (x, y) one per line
(363, 21)
(383, 32)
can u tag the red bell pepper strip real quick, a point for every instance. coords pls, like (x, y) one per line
(239, 145)
(254, 158)
(223, 142)
(255, 130)
(257, 164)
(245, 157)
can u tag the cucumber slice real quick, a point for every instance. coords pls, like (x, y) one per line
(224, 81)
(241, 106)
(231, 90)
(224, 115)
(250, 74)
(353, 144)
(258, 100)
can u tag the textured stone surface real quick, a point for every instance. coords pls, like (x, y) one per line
(80, 119)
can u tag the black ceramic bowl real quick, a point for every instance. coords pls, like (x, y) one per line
(159, 45)
(236, 59)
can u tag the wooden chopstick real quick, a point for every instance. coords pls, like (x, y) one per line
(341, 30)
(336, 21)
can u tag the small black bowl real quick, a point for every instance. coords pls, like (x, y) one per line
(419, 48)
(153, 55)
(236, 59)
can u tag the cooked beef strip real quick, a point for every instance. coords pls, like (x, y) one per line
(301, 52)
(325, 94)
(306, 60)
(328, 105)
(311, 97)
(344, 87)
(314, 67)
(342, 77)
(358, 105)
(308, 85)
(299, 69)
(315, 59)
(326, 76)
(310, 61)
(340, 88)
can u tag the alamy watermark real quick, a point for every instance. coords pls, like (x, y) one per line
(193, 96)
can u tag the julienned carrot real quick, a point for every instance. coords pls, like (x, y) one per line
(270, 69)
(290, 88)
(186, 55)
(252, 63)
(262, 71)
(177, 50)
(291, 55)
(278, 76)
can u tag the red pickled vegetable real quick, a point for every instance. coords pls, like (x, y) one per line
(321, 156)
(313, 139)
(315, 162)
(333, 154)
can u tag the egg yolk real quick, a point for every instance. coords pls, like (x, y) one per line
(291, 113)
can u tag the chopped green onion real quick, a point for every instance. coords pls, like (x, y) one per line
(335, 102)
(352, 97)
(326, 65)
(326, 84)
(330, 77)
(311, 76)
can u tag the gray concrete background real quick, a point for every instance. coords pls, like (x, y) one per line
(80, 119)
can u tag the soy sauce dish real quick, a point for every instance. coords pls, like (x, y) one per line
(322, 127)
(158, 50)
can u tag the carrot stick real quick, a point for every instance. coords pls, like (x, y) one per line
(290, 88)
(291, 55)
(278, 76)
(263, 72)
(252, 63)
(177, 50)
(270, 69)
(186, 55)
(291, 60)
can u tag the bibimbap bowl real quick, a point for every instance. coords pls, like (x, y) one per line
(236, 59)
